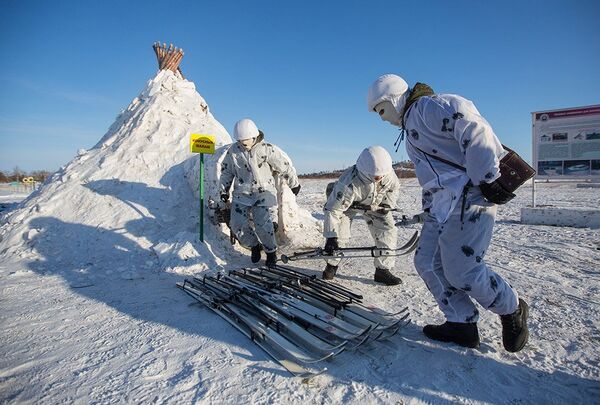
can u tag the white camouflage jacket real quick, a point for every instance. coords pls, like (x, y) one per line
(449, 126)
(253, 173)
(354, 186)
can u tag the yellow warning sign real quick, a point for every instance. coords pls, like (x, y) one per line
(201, 143)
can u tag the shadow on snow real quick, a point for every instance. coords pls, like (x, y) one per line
(107, 266)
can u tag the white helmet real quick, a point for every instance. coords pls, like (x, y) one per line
(374, 161)
(245, 129)
(390, 88)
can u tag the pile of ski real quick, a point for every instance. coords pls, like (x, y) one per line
(299, 320)
(353, 252)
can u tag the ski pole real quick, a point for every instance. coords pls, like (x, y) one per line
(373, 208)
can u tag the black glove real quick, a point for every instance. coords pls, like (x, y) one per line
(494, 192)
(420, 218)
(224, 197)
(331, 244)
(383, 209)
(223, 215)
(296, 189)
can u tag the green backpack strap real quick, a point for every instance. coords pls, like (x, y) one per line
(329, 188)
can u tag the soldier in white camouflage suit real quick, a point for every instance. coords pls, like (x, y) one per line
(251, 162)
(371, 182)
(456, 156)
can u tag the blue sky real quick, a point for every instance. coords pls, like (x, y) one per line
(300, 69)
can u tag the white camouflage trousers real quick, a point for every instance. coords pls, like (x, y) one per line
(449, 259)
(383, 230)
(253, 225)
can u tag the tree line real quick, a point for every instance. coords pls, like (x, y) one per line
(403, 169)
(18, 175)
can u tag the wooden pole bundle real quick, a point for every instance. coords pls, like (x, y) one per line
(168, 57)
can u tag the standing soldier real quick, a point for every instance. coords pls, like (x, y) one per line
(372, 182)
(456, 156)
(252, 162)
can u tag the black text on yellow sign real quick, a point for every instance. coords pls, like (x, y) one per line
(202, 143)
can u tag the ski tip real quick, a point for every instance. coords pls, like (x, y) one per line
(307, 378)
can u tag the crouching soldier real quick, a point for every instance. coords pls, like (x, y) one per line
(372, 182)
(252, 162)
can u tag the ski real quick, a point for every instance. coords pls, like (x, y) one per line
(323, 315)
(283, 319)
(371, 313)
(298, 332)
(276, 338)
(301, 316)
(291, 366)
(349, 315)
(384, 318)
(302, 278)
(298, 319)
(357, 319)
(404, 219)
(261, 328)
(354, 252)
(287, 288)
(281, 273)
(349, 311)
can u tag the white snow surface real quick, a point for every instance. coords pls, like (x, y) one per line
(89, 310)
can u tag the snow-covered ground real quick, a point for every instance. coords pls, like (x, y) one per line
(111, 327)
(89, 311)
(9, 200)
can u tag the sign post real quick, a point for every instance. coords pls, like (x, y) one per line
(201, 143)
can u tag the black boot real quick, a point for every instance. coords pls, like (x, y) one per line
(514, 328)
(464, 334)
(271, 259)
(329, 272)
(255, 257)
(384, 276)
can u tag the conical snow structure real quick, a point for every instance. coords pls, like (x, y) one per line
(132, 201)
(129, 193)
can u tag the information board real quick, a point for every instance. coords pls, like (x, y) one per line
(566, 143)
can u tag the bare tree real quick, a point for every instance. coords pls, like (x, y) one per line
(17, 174)
(40, 175)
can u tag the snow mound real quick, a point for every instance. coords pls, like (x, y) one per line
(132, 200)
(298, 228)
(133, 185)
